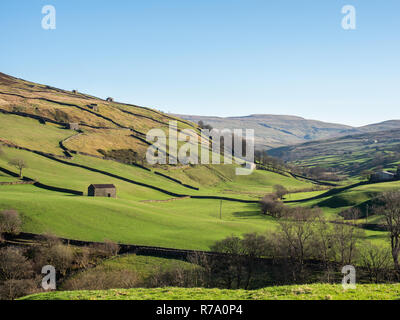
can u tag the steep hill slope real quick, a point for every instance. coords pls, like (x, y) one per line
(105, 125)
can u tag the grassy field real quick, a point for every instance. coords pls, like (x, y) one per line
(172, 224)
(296, 292)
(132, 219)
(29, 133)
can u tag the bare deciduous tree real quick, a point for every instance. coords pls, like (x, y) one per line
(231, 267)
(255, 246)
(376, 260)
(296, 233)
(324, 241)
(390, 208)
(20, 164)
(240, 257)
(346, 237)
(280, 191)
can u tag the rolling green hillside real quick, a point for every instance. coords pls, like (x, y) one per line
(150, 209)
(351, 154)
(182, 209)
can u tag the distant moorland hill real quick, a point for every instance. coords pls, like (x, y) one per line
(273, 131)
(351, 154)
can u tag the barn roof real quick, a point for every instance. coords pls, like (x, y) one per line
(102, 186)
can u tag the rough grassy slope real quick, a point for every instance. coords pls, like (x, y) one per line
(111, 126)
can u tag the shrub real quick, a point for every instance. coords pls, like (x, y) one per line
(12, 289)
(82, 257)
(104, 250)
(270, 206)
(51, 251)
(10, 222)
(175, 276)
(280, 191)
(376, 260)
(14, 265)
(102, 280)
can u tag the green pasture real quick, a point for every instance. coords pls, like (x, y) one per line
(294, 292)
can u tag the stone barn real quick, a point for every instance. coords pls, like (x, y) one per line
(382, 176)
(73, 126)
(110, 99)
(102, 190)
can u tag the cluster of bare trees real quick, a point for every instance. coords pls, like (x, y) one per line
(303, 229)
(278, 165)
(21, 266)
(304, 234)
(271, 205)
(237, 266)
(307, 246)
(270, 163)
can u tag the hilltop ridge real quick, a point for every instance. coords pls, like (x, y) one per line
(272, 131)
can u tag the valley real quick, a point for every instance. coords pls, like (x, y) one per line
(69, 140)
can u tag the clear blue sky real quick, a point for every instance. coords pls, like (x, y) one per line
(215, 57)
